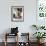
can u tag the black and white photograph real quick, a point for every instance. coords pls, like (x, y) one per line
(17, 13)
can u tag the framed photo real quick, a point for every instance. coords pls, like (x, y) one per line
(17, 13)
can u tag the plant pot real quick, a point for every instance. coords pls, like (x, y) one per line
(40, 41)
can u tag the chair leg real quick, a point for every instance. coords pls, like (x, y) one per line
(5, 43)
(5, 39)
(17, 40)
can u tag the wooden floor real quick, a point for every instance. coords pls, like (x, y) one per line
(13, 44)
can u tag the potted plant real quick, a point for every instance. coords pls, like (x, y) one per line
(39, 35)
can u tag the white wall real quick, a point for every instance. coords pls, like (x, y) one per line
(29, 15)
